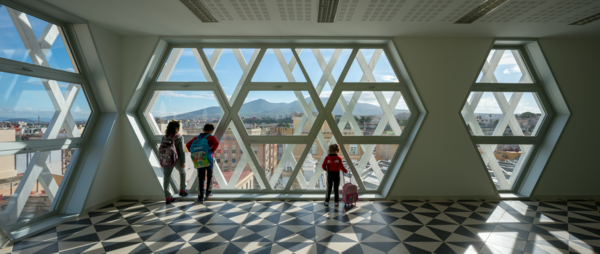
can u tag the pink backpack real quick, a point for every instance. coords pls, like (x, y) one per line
(167, 153)
(349, 193)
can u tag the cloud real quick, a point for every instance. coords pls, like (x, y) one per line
(370, 98)
(388, 78)
(189, 95)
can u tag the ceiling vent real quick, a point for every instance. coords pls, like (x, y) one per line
(327, 10)
(479, 11)
(200, 10)
(586, 20)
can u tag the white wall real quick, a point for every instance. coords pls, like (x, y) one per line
(573, 170)
(443, 162)
(138, 177)
(107, 183)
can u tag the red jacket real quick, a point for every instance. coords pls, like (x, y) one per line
(212, 142)
(334, 162)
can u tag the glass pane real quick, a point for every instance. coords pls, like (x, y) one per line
(371, 65)
(193, 108)
(231, 67)
(27, 111)
(278, 162)
(485, 116)
(44, 45)
(278, 65)
(320, 61)
(277, 113)
(184, 65)
(371, 161)
(504, 66)
(14, 167)
(504, 162)
(234, 163)
(368, 117)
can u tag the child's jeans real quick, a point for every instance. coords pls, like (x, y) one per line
(202, 173)
(333, 182)
(167, 176)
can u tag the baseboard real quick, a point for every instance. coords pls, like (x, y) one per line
(442, 198)
(100, 205)
(565, 197)
(142, 197)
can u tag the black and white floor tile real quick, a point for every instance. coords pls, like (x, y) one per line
(309, 227)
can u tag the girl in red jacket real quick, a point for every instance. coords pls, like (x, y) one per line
(333, 164)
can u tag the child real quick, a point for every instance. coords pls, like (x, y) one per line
(333, 164)
(205, 170)
(173, 134)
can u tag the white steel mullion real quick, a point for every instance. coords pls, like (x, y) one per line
(245, 72)
(203, 67)
(488, 75)
(525, 76)
(214, 57)
(239, 57)
(167, 70)
(488, 151)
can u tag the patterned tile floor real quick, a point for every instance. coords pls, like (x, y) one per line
(309, 227)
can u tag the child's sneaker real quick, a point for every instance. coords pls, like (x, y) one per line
(208, 194)
(183, 193)
(201, 199)
(169, 200)
(337, 204)
(326, 203)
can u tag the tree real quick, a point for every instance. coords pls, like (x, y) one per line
(528, 115)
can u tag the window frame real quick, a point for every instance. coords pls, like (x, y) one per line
(67, 32)
(230, 109)
(537, 87)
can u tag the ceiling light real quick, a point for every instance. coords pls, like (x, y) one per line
(327, 10)
(586, 20)
(200, 10)
(479, 11)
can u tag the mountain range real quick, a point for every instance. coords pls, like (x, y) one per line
(262, 107)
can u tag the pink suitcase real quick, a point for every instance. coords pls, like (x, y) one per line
(349, 193)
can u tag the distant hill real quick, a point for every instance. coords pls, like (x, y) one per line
(264, 108)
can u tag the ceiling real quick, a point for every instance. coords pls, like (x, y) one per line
(516, 18)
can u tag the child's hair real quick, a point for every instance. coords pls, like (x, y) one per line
(208, 127)
(172, 128)
(334, 148)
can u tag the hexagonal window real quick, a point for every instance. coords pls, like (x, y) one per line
(55, 165)
(504, 162)
(371, 65)
(278, 65)
(29, 112)
(278, 162)
(45, 43)
(184, 65)
(231, 66)
(504, 66)
(505, 121)
(277, 113)
(193, 108)
(503, 113)
(371, 113)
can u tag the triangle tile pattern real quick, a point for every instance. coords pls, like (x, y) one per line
(412, 226)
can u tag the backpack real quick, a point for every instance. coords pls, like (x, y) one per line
(201, 152)
(167, 153)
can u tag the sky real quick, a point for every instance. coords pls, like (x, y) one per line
(26, 97)
(508, 71)
(229, 73)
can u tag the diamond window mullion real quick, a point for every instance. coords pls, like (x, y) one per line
(281, 102)
(43, 117)
(507, 113)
